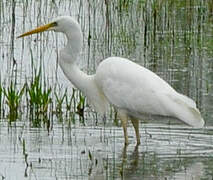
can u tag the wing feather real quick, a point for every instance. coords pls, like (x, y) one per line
(129, 86)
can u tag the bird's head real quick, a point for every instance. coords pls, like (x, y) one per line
(70, 28)
(64, 24)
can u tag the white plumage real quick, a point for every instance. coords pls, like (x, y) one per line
(138, 90)
(132, 89)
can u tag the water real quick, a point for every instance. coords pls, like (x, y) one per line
(165, 153)
(172, 38)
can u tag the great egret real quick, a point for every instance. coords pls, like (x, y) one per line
(132, 89)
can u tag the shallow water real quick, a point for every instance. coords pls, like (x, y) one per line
(172, 38)
(166, 152)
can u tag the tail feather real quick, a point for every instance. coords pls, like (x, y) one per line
(199, 123)
(187, 100)
(185, 110)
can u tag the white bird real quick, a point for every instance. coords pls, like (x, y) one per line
(132, 89)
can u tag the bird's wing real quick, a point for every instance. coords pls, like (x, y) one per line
(129, 86)
(185, 109)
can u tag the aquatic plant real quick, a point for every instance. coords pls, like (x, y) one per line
(72, 106)
(59, 101)
(81, 105)
(39, 98)
(13, 99)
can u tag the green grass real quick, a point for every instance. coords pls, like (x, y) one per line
(13, 100)
(41, 102)
(81, 105)
(60, 101)
(38, 99)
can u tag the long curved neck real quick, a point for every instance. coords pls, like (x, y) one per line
(68, 57)
(73, 46)
(79, 79)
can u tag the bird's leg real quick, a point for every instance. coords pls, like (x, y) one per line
(135, 123)
(124, 119)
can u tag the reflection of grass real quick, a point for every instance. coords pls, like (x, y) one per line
(208, 162)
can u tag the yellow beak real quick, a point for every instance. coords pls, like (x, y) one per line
(38, 29)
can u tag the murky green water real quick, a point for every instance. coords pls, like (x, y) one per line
(172, 38)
